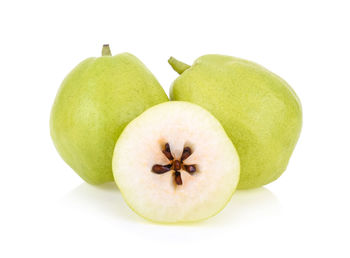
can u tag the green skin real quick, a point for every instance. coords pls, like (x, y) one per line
(94, 104)
(259, 111)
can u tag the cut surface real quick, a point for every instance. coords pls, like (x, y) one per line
(175, 163)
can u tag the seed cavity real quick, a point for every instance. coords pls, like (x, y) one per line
(175, 165)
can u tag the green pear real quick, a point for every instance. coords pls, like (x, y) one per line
(259, 111)
(97, 99)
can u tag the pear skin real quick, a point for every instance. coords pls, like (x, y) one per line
(259, 111)
(96, 100)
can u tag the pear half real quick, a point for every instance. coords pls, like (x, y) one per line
(175, 163)
(259, 111)
(94, 104)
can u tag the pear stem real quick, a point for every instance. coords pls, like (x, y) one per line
(177, 65)
(106, 51)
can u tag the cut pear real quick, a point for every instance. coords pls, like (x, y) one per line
(175, 163)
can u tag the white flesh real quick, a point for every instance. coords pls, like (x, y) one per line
(156, 196)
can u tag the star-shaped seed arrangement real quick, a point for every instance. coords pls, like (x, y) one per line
(175, 165)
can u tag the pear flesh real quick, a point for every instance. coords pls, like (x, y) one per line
(259, 111)
(175, 163)
(97, 99)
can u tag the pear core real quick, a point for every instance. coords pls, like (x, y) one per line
(175, 164)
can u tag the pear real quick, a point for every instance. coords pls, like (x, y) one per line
(96, 100)
(259, 111)
(175, 163)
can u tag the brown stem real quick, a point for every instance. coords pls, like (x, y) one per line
(106, 51)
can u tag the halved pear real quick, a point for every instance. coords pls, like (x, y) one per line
(175, 163)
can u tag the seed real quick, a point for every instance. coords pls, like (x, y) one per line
(167, 152)
(160, 169)
(190, 168)
(186, 153)
(178, 179)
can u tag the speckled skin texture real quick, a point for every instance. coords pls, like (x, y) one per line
(259, 111)
(94, 104)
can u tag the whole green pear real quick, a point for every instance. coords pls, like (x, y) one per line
(97, 99)
(258, 110)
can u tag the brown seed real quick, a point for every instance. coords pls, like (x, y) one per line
(177, 165)
(167, 152)
(190, 168)
(160, 169)
(186, 153)
(178, 179)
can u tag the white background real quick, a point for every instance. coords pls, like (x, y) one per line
(48, 211)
